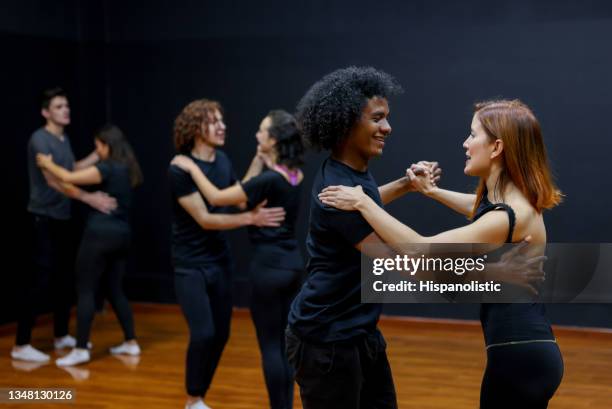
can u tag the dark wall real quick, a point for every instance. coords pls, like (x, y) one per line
(144, 64)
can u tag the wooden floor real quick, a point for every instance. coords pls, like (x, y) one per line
(435, 365)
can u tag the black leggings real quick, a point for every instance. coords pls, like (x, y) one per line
(51, 277)
(522, 376)
(103, 251)
(204, 294)
(273, 291)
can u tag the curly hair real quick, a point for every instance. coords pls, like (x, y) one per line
(330, 108)
(289, 146)
(188, 124)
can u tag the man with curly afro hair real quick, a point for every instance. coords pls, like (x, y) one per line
(332, 340)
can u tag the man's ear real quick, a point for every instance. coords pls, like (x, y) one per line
(45, 113)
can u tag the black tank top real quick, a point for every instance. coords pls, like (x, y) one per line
(504, 322)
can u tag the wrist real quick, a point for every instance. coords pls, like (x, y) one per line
(363, 202)
(406, 185)
(430, 192)
(249, 218)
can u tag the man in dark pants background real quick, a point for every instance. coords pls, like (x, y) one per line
(50, 209)
(333, 343)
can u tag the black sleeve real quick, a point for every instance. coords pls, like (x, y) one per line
(181, 183)
(104, 168)
(258, 188)
(349, 225)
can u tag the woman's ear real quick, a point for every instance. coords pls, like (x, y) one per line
(498, 148)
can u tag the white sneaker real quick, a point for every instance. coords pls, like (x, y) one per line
(29, 353)
(75, 357)
(126, 349)
(67, 341)
(199, 404)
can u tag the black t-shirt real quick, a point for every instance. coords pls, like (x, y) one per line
(273, 187)
(115, 182)
(191, 244)
(328, 307)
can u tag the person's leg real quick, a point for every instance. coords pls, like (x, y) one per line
(117, 297)
(219, 284)
(329, 375)
(273, 291)
(90, 265)
(192, 295)
(378, 390)
(62, 279)
(521, 375)
(33, 285)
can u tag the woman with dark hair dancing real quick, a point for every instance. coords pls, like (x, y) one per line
(105, 243)
(200, 250)
(276, 266)
(505, 150)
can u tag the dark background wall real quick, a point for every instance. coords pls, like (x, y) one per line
(139, 66)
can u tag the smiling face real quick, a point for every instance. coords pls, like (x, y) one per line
(213, 133)
(480, 150)
(264, 140)
(370, 131)
(58, 112)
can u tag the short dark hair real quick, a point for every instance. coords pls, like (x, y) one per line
(51, 93)
(289, 145)
(330, 108)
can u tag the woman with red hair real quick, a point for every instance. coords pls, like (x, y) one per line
(505, 150)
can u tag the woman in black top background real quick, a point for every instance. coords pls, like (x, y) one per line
(276, 265)
(106, 238)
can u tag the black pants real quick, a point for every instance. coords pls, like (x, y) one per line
(273, 291)
(103, 253)
(50, 278)
(353, 374)
(522, 376)
(204, 294)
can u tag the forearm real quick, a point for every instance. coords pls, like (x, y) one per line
(205, 186)
(460, 202)
(58, 172)
(211, 221)
(255, 168)
(391, 230)
(87, 161)
(394, 190)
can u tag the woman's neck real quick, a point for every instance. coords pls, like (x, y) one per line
(492, 182)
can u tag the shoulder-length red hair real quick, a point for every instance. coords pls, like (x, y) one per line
(524, 154)
(188, 124)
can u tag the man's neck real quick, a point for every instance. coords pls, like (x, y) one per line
(203, 151)
(55, 129)
(351, 159)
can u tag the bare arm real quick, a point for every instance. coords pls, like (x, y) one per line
(491, 228)
(233, 195)
(255, 168)
(260, 216)
(398, 188)
(87, 161)
(98, 200)
(460, 202)
(394, 190)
